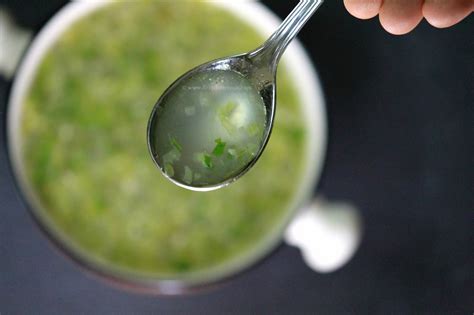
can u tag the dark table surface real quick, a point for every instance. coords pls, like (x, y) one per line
(401, 124)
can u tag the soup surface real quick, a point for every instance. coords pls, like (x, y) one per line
(85, 153)
(208, 128)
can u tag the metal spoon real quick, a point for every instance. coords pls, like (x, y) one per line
(213, 123)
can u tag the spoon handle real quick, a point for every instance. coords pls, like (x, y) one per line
(271, 51)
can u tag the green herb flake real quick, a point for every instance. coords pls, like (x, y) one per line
(219, 148)
(224, 114)
(208, 161)
(253, 129)
(231, 154)
(199, 157)
(188, 175)
(169, 170)
(242, 154)
(171, 157)
(205, 159)
(174, 142)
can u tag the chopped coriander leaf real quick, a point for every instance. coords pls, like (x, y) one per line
(208, 161)
(174, 142)
(169, 170)
(253, 129)
(172, 156)
(219, 148)
(227, 109)
(231, 154)
(188, 175)
(224, 113)
(242, 154)
(297, 134)
(200, 157)
(205, 159)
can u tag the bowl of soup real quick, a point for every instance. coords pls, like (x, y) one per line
(76, 134)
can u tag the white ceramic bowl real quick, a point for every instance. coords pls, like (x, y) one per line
(255, 14)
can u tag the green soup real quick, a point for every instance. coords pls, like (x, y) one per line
(85, 153)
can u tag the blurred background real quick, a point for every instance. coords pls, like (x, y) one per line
(401, 148)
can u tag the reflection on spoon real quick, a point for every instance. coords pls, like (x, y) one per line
(212, 124)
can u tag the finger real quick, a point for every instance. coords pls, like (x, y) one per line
(400, 16)
(445, 13)
(363, 9)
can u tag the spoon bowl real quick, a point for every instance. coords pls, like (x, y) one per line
(212, 124)
(241, 70)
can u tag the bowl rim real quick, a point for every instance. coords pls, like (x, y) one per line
(300, 69)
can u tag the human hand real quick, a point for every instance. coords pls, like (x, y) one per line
(401, 16)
